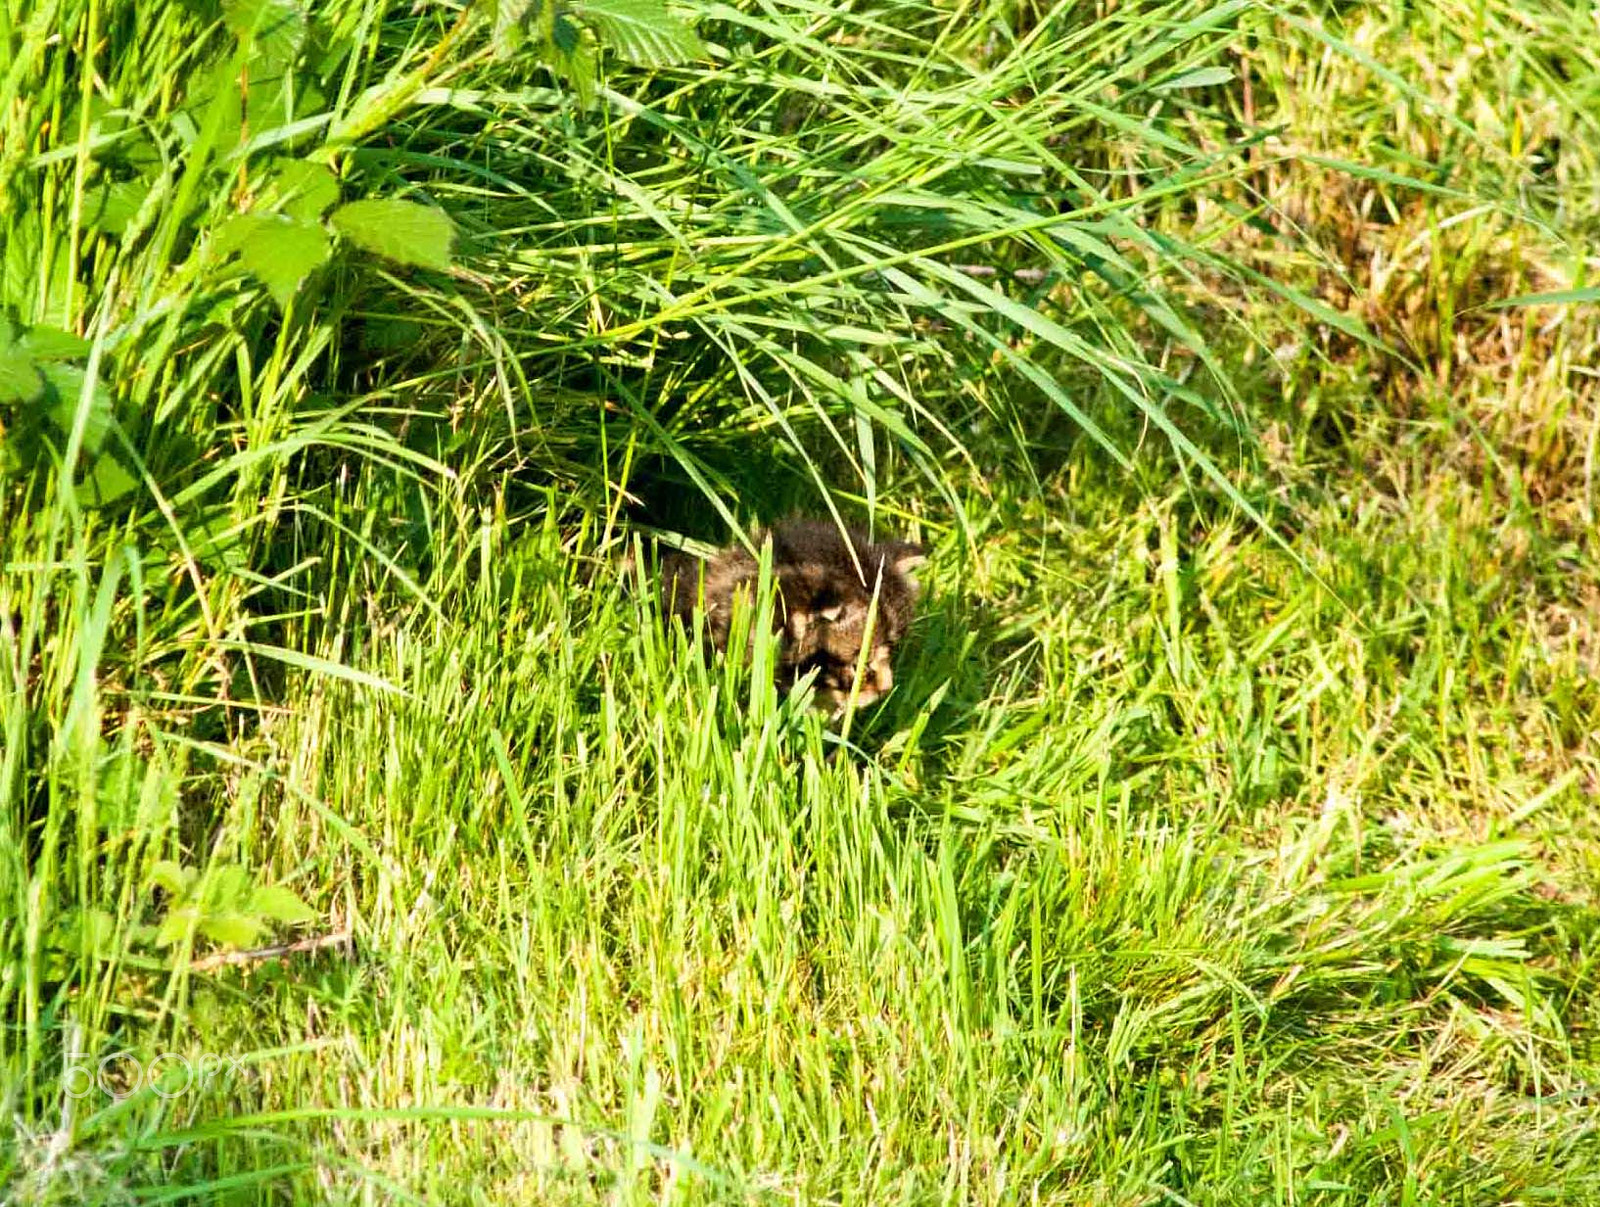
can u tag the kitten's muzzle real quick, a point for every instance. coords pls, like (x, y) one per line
(833, 686)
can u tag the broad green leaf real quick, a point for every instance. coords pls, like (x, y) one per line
(278, 903)
(642, 31)
(97, 929)
(275, 28)
(580, 68)
(20, 379)
(229, 886)
(402, 231)
(65, 383)
(111, 207)
(231, 928)
(176, 924)
(509, 16)
(105, 483)
(51, 343)
(276, 249)
(390, 333)
(282, 254)
(231, 235)
(302, 189)
(171, 875)
(565, 33)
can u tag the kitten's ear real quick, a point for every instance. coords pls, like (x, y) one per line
(905, 557)
(799, 625)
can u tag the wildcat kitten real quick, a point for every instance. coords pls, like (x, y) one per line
(822, 597)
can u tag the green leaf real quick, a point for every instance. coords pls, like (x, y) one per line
(99, 929)
(1200, 77)
(278, 903)
(642, 31)
(565, 33)
(20, 379)
(176, 924)
(231, 928)
(1561, 297)
(283, 254)
(276, 249)
(301, 189)
(275, 28)
(402, 231)
(51, 343)
(575, 58)
(231, 235)
(111, 207)
(509, 16)
(65, 386)
(21, 255)
(229, 886)
(169, 874)
(105, 483)
(390, 333)
(315, 665)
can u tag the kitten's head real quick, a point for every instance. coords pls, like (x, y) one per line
(828, 599)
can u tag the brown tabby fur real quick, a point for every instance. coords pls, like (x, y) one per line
(822, 599)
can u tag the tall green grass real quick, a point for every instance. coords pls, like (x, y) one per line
(1229, 836)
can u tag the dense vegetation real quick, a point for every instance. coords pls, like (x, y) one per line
(1231, 834)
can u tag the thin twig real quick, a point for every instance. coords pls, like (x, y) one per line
(255, 955)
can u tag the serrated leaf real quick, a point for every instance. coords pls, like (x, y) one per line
(176, 924)
(117, 788)
(275, 28)
(278, 903)
(565, 33)
(231, 928)
(169, 874)
(301, 189)
(231, 235)
(392, 333)
(402, 231)
(229, 886)
(111, 207)
(276, 249)
(99, 928)
(20, 379)
(94, 930)
(105, 483)
(51, 343)
(642, 31)
(580, 68)
(64, 385)
(283, 254)
(509, 16)
(142, 155)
